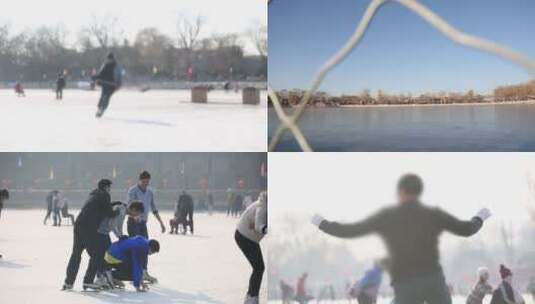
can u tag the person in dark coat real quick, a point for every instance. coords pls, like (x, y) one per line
(49, 204)
(4, 196)
(109, 80)
(185, 210)
(505, 293)
(415, 270)
(97, 207)
(60, 85)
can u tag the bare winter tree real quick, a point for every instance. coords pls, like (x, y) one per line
(102, 31)
(258, 36)
(188, 31)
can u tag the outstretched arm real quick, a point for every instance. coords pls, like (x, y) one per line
(367, 226)
(460, 227)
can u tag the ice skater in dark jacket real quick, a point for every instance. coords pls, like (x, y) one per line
(411, 232)
(60, 85)
(97, 207)
(4, 196)
(109, 79)
(50, 204)
(185, 208)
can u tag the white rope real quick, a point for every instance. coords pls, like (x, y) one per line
(289, 122)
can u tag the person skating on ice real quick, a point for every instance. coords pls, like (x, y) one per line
(367, 288)
(143, 193)
(60, 85)
(301, 295)
(411, 233)
(65, 210)
(96, 208)
(189, 208)
(19, 90)
(179, 220)
(114, 225)
(482, 287)
(126, 257)
(57, 204)
(109, 79)
(50, 197)
(4, 196)
(251, 229)
(505, 293)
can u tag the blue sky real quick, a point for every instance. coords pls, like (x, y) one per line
(400, 52)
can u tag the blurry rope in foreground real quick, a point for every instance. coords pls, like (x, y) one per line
(289, 121)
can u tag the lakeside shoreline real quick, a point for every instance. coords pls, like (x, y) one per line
(356, 106)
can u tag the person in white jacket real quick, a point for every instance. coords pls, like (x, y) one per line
(252, 227)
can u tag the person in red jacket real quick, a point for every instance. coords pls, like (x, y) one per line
(19, 90)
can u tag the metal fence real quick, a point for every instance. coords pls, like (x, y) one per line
(289, 122)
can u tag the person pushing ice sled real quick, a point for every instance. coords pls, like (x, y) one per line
(110, 80)
(125, 259)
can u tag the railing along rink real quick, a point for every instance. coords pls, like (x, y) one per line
(289, 121)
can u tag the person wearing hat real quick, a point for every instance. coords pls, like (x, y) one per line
(482, 287)
(97, 207)
(109, 79)
(411, 232)
(505, 293)
(4, 196)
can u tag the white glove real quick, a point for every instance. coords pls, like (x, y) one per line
(484, 214)
(316, 220)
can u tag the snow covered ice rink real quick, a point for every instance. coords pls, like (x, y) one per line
(204, 268)
(159, 120)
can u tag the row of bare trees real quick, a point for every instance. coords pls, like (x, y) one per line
(39, 54)
(292, 98)
(525, 91)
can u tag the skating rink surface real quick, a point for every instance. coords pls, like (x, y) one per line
(204, 268)
(135, 121)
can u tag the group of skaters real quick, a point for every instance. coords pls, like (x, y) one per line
(126, 259)
(237, 202)
(109, 78)
(57, 206)
(504, 293)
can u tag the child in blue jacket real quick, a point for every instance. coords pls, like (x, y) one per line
(126, 258)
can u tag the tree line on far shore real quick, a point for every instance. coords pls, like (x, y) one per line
(41, 54)
(521, 92)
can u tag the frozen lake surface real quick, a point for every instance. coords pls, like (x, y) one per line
(135, 121)
(204, 268)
